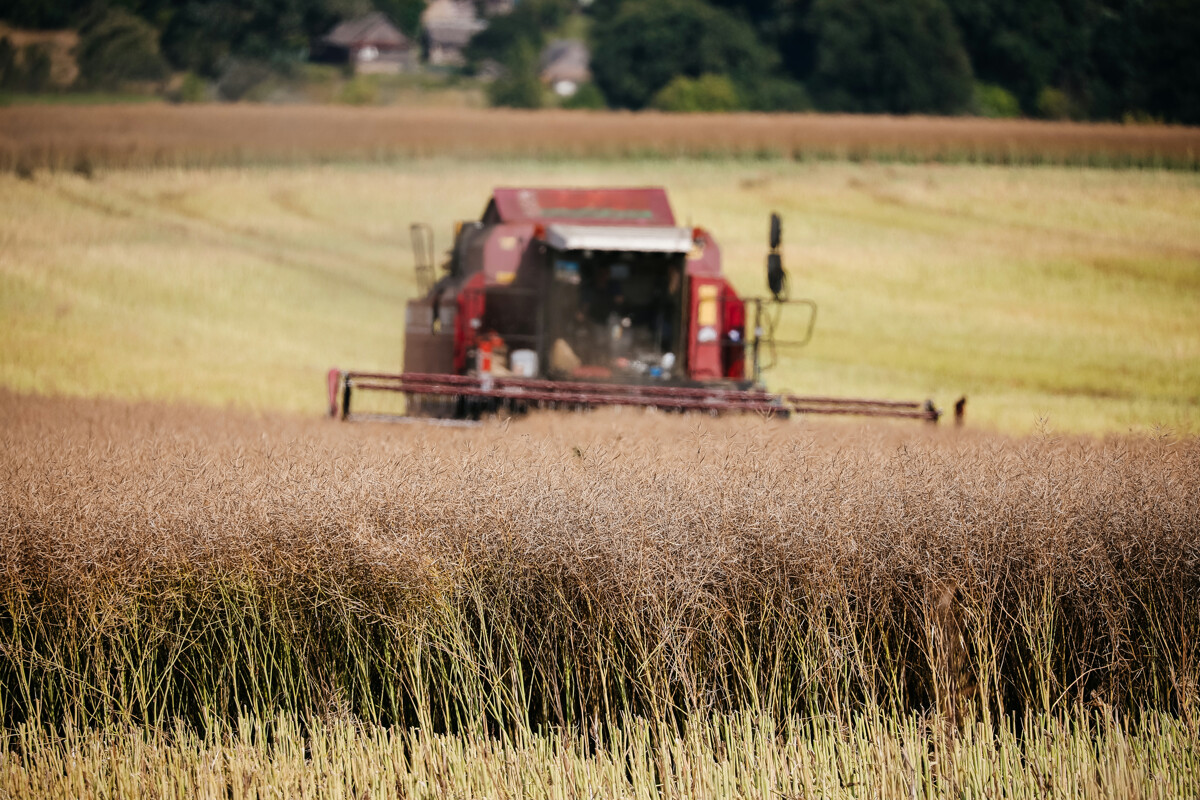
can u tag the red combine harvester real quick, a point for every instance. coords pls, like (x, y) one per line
(575, 298)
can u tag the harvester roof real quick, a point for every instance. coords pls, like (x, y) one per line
(644, 206)
(622, 238)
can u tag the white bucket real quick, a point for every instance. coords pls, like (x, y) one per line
(523, 363)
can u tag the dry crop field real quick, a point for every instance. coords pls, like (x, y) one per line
(159, 135)
(197, 602)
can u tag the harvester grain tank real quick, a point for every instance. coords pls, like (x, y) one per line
(587, 297)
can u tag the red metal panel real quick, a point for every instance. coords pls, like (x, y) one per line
(704, 329)
(470, 307)
(733, 333)
(705, 258)
(632, 206)
(504, 251)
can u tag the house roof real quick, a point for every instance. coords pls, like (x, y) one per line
(620, 238)
(565, 59)
(373, 29)
(451, 22)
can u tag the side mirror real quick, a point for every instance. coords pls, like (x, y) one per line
(776, 277)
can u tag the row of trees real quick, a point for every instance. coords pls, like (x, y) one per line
(1098, 59)
(1101, 59)
(228, 40)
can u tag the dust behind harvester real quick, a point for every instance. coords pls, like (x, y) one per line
(587, 297)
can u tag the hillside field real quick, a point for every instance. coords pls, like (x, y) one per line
(1053, 297)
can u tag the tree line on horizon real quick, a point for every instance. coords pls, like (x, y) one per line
(1057, 59)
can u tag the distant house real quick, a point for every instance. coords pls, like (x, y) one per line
(449, 26)
(371, 44)
(565, 66)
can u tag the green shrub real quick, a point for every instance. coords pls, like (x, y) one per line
(243, 79)
(775, 94)
(1139, 117)
(1055, 104)
(194, 89)
(515, 92)
(319, 73)
(519, 87)
(587, 96)
(359, 91)
(995, 102)
(116, 46)
(706, 93)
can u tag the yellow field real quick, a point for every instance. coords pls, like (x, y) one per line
(1058, 296)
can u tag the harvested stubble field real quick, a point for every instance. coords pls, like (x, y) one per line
(632, 604)
(158, 135)
(1052, 293)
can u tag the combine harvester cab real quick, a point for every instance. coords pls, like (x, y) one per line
(574, 298)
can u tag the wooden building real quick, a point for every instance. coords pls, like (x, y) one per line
(449, 26)
(371, 44)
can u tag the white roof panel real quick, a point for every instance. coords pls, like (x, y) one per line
(619, 239)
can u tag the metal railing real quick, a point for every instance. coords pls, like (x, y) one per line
(522, 393)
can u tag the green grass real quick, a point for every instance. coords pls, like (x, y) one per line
(1056, 297)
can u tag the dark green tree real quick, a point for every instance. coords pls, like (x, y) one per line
(38, 66)
(647, 43)
(525, 26)
(604, 10)
(889, 56)
(43, 13)
(10, 72)
(50, 14)
(1026, 46)
(404, 14)
(1168, 61)
(519, 87)
(783, 26)
(116, 46)
(203, 34)
(1113, 61)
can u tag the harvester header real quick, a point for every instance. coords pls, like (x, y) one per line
(579, 297)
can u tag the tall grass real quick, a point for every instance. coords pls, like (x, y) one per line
(123, 136)
(163, 564)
